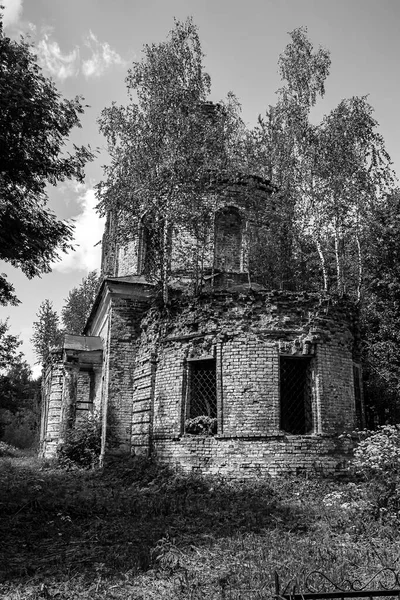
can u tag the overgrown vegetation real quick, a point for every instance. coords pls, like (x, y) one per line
(138, 530)
(19, 394)
(35, 122)
(82, 444)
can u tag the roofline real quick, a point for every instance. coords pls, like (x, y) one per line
(106, 281)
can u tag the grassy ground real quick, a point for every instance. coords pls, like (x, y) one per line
(135, 530)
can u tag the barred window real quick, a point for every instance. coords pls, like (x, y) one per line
(295, 394)
(201, 397)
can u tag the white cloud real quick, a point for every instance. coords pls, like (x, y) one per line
(103, 56)
(58, 64)
(12, 11)
(88, 232)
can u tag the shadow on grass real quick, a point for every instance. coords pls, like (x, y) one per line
(121, 519)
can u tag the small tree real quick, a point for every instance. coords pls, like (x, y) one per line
(46, 331)
(19, 405)
(78, 304)
(35, 122)
(8, 347)
(380, 316)
(330, 175)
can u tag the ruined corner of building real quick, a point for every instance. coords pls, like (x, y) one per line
(237, 380)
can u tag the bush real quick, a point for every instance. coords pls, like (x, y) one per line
(202, 425)
(19, 429)
(379, 452)
(7, 450)
(82, 444)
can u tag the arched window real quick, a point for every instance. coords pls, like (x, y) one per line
(228, 240)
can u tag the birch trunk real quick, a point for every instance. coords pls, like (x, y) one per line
(323, 264)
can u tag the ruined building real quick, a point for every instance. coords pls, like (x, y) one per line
(239, 379)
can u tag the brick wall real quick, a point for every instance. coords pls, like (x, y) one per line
(126, 314)
(52, 395)
(258, 457)
(250, 377)
(247, 334)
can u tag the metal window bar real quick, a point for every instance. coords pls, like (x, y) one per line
(202, 389)
(295, 395)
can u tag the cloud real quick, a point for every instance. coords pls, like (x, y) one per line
(62, 65)
(88, 232)
(58, 64)
(12, 11)
(103, 56)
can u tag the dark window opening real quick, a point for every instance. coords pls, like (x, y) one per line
(201, 407)
(357, 395)
(228, 239)
(295, 395)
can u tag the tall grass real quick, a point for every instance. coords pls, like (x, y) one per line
(139, 530)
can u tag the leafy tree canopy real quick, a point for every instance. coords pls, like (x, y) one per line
(9, 345)
(330, 174)
(165, 143)
(78, 304)
(163, 147)
(46, 331)
(17, 388)
(35, 122)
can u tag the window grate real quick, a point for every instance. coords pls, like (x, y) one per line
(295, 395)
(202, 389)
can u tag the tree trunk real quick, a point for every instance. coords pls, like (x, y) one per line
(323, 264)
(165, 258)
(339, 259)
(360, 267)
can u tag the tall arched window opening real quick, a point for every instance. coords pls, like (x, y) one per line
(228, 240)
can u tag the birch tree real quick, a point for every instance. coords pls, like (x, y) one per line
(330, 174)
(165, 146)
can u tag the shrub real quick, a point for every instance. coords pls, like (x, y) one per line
(20, 429)
(82, 444)
(202, 425)
(7, 450)
(379, 452)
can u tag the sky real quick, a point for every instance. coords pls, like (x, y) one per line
(86, 47)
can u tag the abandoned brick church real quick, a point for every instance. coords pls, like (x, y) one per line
(240, 380)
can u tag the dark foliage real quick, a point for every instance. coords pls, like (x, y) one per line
(17, 388)
(46, 331)
(82, 444)
(35, 122)
(381, 315)
(78, 304)
(8, 347)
